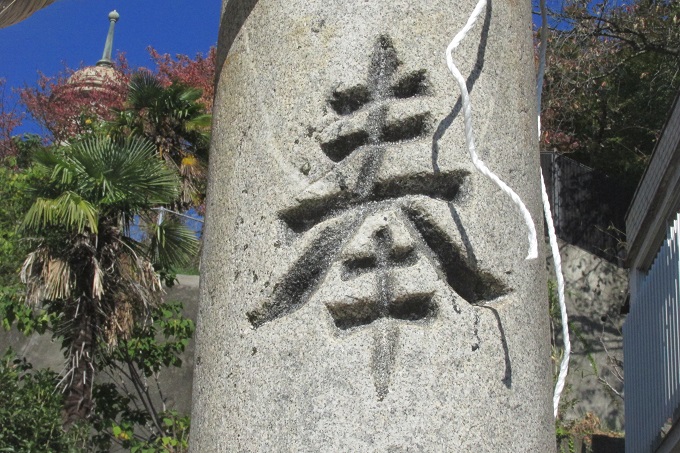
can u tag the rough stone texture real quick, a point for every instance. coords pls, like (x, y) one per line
(363, 288)
(595, 293)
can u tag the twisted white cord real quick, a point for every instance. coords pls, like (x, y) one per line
(564, 366)
(557, 261)
(469, 135)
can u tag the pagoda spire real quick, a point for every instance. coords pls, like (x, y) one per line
(106, 56)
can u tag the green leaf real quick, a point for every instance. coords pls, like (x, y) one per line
(172, 244)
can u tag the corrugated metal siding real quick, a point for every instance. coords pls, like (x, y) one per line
(652, 189)
(652, 348)
(588, 207)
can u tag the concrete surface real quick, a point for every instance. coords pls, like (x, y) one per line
(42, 352)
(595, 293)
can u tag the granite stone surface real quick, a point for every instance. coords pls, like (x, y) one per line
(363, 288)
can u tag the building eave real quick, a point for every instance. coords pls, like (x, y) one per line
(657, 197)
(14, 11)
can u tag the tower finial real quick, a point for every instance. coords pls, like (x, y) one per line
(106, 56)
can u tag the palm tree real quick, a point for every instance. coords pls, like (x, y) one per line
(85, 265)
(176, 122)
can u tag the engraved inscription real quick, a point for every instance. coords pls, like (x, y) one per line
(376, 253)
(386, 113)
(383, 254)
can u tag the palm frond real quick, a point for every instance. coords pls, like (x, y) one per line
(135, 267)
(44, 157)
(68, 210)
(145, 90)
(188, 94)
(124, 123)
(127, 173)
(200, 123)
(172, 244)
(97, 279)
(56, 275)
(57, 166)
(46, 277)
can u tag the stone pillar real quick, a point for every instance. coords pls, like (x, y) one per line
(363, 288)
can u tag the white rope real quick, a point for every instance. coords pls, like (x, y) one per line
(557, 260)
(469, 135)
(469, 138)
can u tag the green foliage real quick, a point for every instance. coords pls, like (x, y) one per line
(87, 281)
(17, 186)
(94, 280)
(175, 437)
(613, 72)
(167, 112)
(99, 177)
(172, 244)
(175, 121)
(125, 419)
(68, 209)
(30, 416)
(144, 349)
(30, 413)
(26, 146)
(580, 432)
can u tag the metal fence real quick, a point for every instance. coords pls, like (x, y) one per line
(651, 340)
(588, 207)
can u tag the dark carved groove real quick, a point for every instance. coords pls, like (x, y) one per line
(415, 307)
(354, 314)
(384, 356)
(472, 284)
(296, 287)
(406, 129)
(442, 186)
(411, 85)
(384, 258)
(350, 100)
(403, 258)
(310, 213)
(342, 146)
(384, 63)
(356, 266)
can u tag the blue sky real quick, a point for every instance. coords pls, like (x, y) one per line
(73, 32)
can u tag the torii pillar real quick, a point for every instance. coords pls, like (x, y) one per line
(363, 288)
